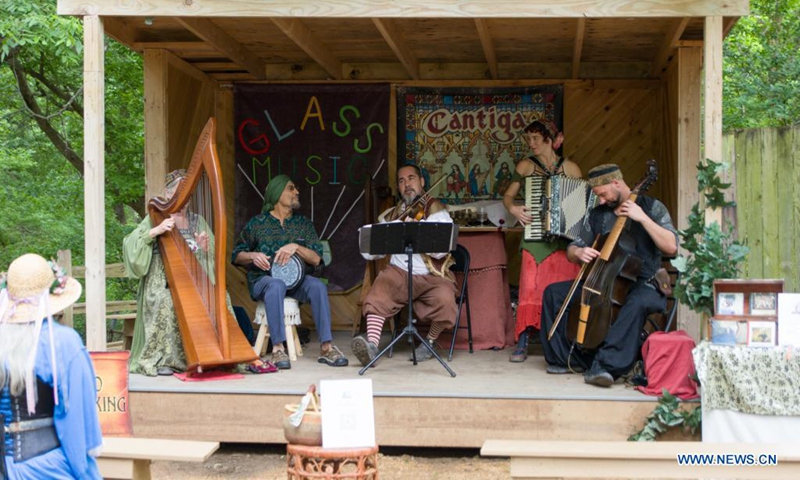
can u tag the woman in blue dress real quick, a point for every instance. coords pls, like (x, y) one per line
(48, 397)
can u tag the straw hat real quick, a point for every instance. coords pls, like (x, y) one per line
(27, 278)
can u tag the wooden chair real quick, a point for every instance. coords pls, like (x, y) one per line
(664, 321)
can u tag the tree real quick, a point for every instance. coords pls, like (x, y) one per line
(41, 133)
(761, 60)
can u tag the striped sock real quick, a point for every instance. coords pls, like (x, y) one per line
(435, 330)
(374, 328)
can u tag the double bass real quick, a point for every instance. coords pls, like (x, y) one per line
(611, 276)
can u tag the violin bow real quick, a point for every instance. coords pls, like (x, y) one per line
(569, 295)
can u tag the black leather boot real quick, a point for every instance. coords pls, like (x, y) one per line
(520, 354)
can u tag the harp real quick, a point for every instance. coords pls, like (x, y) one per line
(193, 255)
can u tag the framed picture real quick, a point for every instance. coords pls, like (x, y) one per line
(763, 303)
(761, 334)
(729, 303)
(724, 332)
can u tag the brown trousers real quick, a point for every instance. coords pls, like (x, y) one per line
(434, 297)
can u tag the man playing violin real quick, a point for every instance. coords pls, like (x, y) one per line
(433, 283)
(652, 233)
(273, 237)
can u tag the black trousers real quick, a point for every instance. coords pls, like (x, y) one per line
(619, 350)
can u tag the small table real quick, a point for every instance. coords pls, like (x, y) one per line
(750, 394)
(305, 461)
(489, 294)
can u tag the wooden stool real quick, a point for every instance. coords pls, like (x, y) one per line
(304, 461)
(291, 318)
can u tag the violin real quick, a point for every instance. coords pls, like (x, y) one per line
(416, 210)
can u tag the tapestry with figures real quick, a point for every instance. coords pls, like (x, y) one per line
(470, 135)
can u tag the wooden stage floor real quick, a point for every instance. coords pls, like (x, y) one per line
(414, 405)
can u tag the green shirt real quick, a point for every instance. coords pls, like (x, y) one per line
(264, 233)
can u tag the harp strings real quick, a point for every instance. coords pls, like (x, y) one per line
(195, 223)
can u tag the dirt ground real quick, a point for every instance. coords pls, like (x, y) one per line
(250, 461)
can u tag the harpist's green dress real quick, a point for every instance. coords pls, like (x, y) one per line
(156, 337)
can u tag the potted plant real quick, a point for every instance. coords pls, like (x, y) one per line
(712, 252)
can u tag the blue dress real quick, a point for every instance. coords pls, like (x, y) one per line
(75, 416)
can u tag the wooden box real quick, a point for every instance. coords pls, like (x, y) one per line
(742, 307)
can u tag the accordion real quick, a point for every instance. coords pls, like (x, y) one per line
(558, 205)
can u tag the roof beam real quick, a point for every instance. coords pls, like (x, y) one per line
(670, 43)
(120, 31)
(488, 46)
(398, 45)
(209, 32)
(580, 32)
(302, 36)
(408, 9)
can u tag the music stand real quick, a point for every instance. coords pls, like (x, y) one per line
(408, 238)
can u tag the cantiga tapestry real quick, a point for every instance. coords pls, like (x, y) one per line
(471, 136)
(328, 139)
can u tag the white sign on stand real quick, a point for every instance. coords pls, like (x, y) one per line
(348, 416)
(789, 319)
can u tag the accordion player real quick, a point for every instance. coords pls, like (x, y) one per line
(559, 205)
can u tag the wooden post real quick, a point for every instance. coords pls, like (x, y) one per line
(94, 181)
(712, 131)
(689, 79)
(156, 145)
(64, 259)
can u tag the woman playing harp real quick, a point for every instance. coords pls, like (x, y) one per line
(545, 261)
(157, 347)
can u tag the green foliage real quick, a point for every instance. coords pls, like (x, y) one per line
(713, 254)
(665, 416)
(41, 194)
(761, 67)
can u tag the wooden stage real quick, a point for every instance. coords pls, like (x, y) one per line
(421, 405)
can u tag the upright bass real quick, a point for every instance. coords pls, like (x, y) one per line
(611, 276)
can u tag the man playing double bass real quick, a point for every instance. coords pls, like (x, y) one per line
(650, 227)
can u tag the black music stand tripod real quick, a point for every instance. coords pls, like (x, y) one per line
(408, 238)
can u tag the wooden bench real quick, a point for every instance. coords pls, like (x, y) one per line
(574, 459)
(131, 457)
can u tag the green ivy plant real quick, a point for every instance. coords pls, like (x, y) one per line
(665, 416)
(712, 252)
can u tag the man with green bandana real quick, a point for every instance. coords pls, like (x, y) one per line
(273, 236)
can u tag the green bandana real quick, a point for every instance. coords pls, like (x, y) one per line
(273, 192)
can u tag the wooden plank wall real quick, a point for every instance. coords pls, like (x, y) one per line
(766, 163)
(617, 125)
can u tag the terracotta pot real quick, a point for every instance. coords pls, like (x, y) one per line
(310, 430)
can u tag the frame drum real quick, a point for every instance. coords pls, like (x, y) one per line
(292, 273)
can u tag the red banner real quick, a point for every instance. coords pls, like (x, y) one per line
(111, 378)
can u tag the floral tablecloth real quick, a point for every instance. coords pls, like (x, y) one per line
(761, 381)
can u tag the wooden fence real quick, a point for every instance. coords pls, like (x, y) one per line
(124, 310)
(766, 177)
